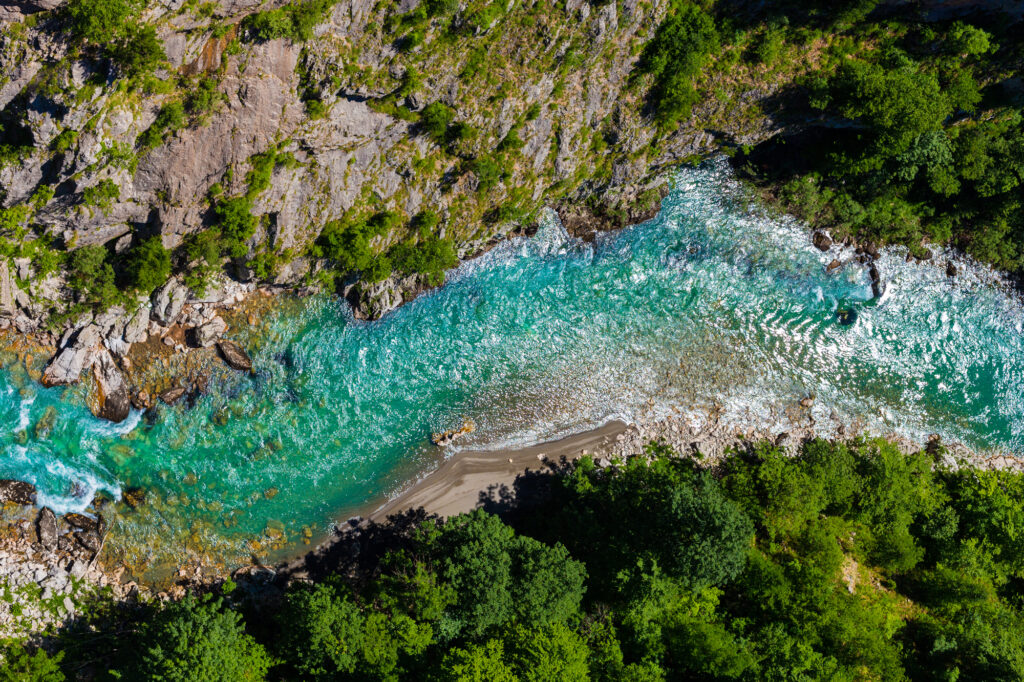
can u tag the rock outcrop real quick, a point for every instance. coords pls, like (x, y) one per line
(113, 397)
(234, 355)
(18, 492)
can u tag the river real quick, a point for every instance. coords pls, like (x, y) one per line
(714, 300)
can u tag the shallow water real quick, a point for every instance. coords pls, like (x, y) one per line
(712, 301)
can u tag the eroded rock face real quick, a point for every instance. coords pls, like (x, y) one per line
(234, 355)
(113, 397)
(18, 492)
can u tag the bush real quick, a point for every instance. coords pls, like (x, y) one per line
(236, 224)
(92, 276)
(679, 50)
(102, 195)
(20, 666)
(435, 119)
(170, 119)
(139, 52)
(101, 22)
(295, 21)
(487, 171)
(148, 265)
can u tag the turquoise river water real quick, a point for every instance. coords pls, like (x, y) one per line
(713, 300)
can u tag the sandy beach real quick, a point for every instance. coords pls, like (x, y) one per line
(469, 478)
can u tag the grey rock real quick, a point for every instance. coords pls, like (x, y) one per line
(78, 569)
(137, 329)
(46, 527)
(822, 241)
(207, 334)
(18, 492)
(234, 355)
(114, 400)
(69, 605)
(172, 395)
(168, 302)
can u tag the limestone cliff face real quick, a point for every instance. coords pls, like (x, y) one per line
(342, 107)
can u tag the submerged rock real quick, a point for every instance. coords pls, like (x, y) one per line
(234, 355)
(134, 497)
(172, 395)
(81, 522)
(18, 492)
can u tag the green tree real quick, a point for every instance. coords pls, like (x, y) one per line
(149, 264)
(552, 652)
(680, 48)
(198, 641)
(477, 663)
(18, 665)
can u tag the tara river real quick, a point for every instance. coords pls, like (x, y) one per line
(713, 301)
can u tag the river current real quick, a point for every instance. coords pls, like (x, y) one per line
(712, 301)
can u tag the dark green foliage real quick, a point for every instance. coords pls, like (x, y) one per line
(198, 641)
(113, 27)
(91, 275)
(919, 140)
(21, 666)
(838, 562)
(680, 49)
(431, 257)
(499, 576)
(204, 98)
(148, 265)
(170, 119)
(102, 195)
(435, 119)
(294, 21)
(101, 22)
(139, 52)
(328, 634)
(487, 171)
(236, 224)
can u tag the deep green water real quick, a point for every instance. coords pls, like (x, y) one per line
(710, 301)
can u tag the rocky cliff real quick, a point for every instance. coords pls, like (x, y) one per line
(543, 106)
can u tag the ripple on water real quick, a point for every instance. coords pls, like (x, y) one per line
(711, 301)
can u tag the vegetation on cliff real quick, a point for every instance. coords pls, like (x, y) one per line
(847, 561)
(910, 130)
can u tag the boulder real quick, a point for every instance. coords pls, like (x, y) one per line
(66, 367)
(114, 401)
(822, 241)
(872, 250)
(137, 329)
(168, 302)
(18, 492)
(234, 355)
(46, 526)
(208, 334)
(142, 400)
(833, 266)
(950, 269)
(80, 521)
(172, 395)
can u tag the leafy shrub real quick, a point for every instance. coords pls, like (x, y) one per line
(102, 195)
(148, 265)
(204, 98)
(435, 119)
(139, 52)
(487, 171)
(431, 257)
(680, 48)
(20, 666)
(295, 21)
(170, 119)
(236, 224)
(92, 276)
